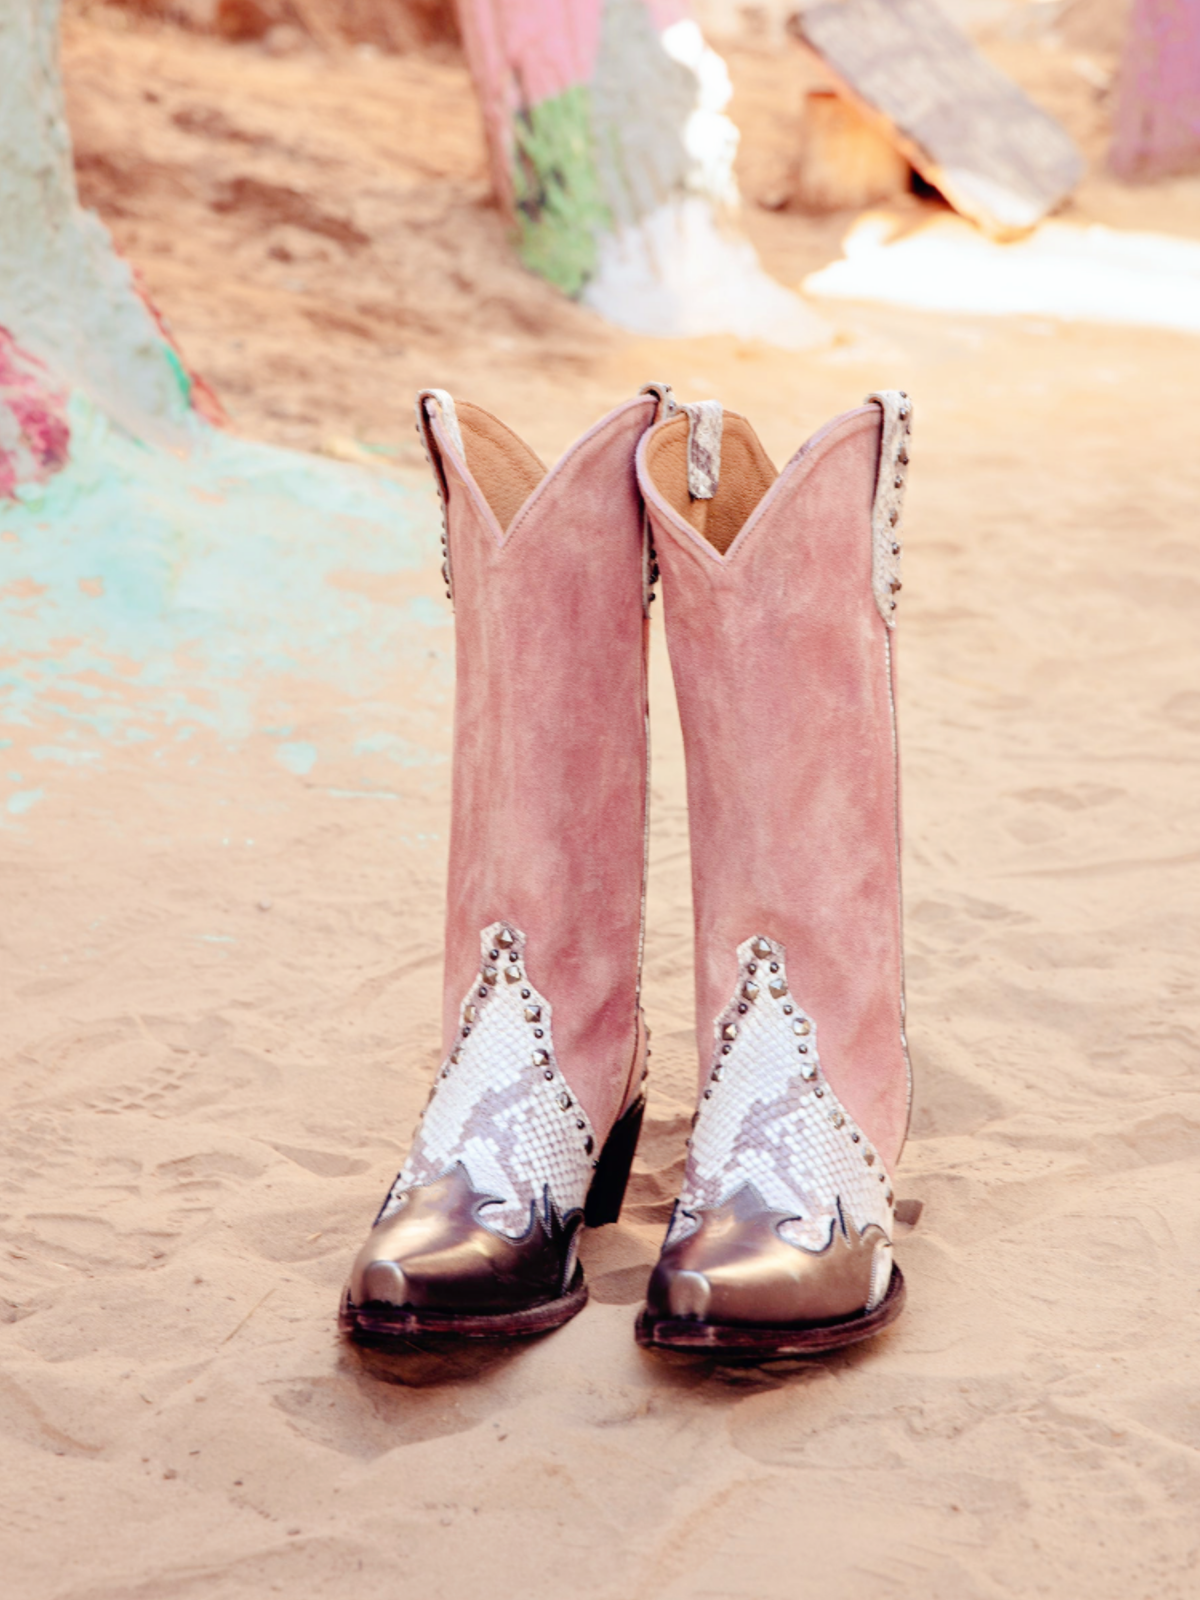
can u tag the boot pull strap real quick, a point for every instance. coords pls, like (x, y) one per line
(431, 403)
(889, 499)
(705, 423)
(665, 395)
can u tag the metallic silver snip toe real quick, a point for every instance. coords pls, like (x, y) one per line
(785, 1214)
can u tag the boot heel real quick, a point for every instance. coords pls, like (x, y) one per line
(604, 1198)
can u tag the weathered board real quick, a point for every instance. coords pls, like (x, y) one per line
(965, 127)
(1157, 124)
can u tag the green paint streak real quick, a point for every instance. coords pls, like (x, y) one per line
(560, 208)
(179, 373)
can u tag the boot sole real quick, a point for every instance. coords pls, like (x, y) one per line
(382, 1326)
(813, 1339)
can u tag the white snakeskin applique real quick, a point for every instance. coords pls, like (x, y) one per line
(769, 1119)
(500, 1104)
(706, 421)
(889, 499)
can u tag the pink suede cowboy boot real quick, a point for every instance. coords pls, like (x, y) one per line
(532, 1121)
(780, 605)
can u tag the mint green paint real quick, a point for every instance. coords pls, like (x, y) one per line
(560, 208)
(25, 800)
(298, 757)
(146, 598)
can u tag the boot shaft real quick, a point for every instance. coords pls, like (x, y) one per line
(549, 786)
(779, 599)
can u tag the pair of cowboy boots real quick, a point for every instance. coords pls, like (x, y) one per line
(780, 605)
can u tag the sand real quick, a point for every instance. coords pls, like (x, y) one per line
(222, 971)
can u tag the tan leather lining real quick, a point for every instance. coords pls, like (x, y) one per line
(746, 475)
(504, 467)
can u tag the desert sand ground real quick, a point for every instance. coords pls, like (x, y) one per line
(221, 952)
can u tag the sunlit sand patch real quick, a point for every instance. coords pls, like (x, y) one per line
(1079, 273)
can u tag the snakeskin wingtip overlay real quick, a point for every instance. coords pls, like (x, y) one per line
(477, 1237)
(781, 1239)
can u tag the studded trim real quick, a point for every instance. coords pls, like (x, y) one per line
(889, 499)
(769, 1120)
(429, 403)
(705, 425)
(500, 1105)
(667, 407)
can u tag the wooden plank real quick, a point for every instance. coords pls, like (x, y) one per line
(966, 128)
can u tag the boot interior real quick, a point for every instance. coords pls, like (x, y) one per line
(504, 467)
(746, 475)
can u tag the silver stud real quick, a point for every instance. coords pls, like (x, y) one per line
(564, 1100)
(708, 1094)
(541, 1058)
(896, 586)
(902, 458)
(883, 1177)
(533, 1013)
(889, 1197)
(525, 993)
(818, 1091)
(788, 1009)
(715, 1075)
(506, 938)
(750, 991)
(729, 1031)
(808, 1071)
(869, 1157)
(466, 1032)
(743, 1007)
(898, 482)
(803, 1049)
(469, 1013)
(726, 1049)
(836, 1117)
(778, 987)
(761, 948)
(895, 547)
(513, 974)
(802, 1026)
(548, 1074)
(490, 975)
(589, 1144)
(893, 518)
(855, 1137)
(774, 966)
(483, 994)
(539, 1033)
(752, 968)
(580, 1123)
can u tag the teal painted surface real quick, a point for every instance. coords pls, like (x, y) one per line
(148, 597)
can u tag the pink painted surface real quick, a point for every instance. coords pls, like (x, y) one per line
(666, 13)
(1157, 125)
(522, 52)
(34, 435)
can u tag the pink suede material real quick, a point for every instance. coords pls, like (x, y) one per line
(783, 675)
(549, 785)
